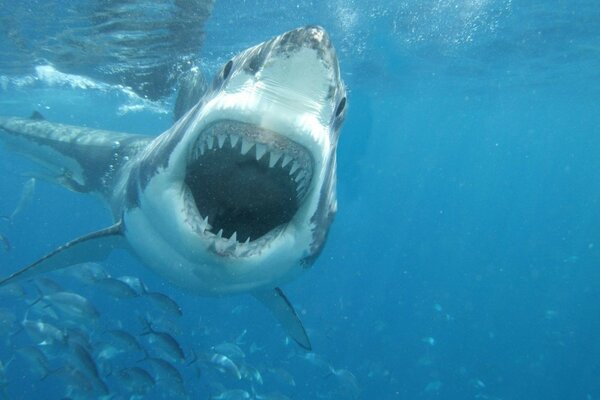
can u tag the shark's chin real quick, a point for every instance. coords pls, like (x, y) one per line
(247, 184)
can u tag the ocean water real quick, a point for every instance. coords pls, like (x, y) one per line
(464, 259)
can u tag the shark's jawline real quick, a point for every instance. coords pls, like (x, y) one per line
(236, 197)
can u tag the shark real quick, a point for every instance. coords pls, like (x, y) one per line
(236, 197)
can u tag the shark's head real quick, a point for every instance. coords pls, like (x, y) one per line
(240, 192)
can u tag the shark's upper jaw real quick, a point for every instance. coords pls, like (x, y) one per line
(246, 184)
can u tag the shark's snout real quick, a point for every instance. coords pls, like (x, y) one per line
(313, 37)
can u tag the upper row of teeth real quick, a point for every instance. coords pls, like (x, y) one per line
(213, 141)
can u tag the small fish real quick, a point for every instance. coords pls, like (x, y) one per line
(81, 383)
(137, 380)
(167, 374)
(225, 365)
(283, 376)
(26, 197)
(429, 340)
(230, 350)
(88, 273)
(250, 373)
(134, 282)
(164, 343)
(116, 288)
(47, 285)
(433, 386)
(7, 320)
(347, 380)
(124, 341)
(318, 361)
(232, 394)
(71, 305)
(5, 243)
(166, 303)
(44, 333)
(12, 290)
(38, 362)
(83, 360)
(78, 335)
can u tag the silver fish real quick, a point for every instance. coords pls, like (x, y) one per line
(71, 305)
(25, 199)
(166, 303)
(225, 365)
(164, 344)
(88, 273)
(136, 380)
(232, 394)
(124, 340)
(134, 282)
(116, 288)
(47, 285)
(44, 333)
(38, 362)
(167, 374)
(230, 350)
(5, 243)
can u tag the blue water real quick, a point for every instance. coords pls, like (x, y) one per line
(463, 262)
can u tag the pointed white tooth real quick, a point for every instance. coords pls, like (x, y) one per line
(221, 140)
(295, 167)
(233, 139)
(247, 240)
(233, 237)
(204, 223)
(286, 160)
(300, 176)
(224, 247)
(210, 140)
(261, 149)
(201, 148)
(301, 188)
(220, 234)
(273, 158)
(246, 145)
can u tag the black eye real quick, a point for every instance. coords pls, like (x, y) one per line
(227, 69)
(340, 107)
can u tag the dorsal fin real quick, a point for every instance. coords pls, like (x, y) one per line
(192, 86)
(37, 116)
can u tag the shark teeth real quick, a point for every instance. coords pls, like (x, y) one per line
(299, 172)
(246, 146)
(227, 246)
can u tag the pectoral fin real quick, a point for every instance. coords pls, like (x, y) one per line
(284, 312)
(95, 246)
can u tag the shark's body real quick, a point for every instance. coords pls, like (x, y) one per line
(236, 197)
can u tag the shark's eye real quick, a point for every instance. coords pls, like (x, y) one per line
(227, 69)
(340, 107)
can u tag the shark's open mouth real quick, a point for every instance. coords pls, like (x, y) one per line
(246, 181)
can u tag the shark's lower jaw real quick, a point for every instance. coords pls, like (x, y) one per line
(247, 184)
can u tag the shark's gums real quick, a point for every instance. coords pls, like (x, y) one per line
(237, 196)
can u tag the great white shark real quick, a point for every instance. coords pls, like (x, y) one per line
(236, 197)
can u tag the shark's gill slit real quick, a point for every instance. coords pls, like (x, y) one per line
(243, 185)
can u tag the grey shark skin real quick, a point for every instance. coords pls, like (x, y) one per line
(237, 196)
